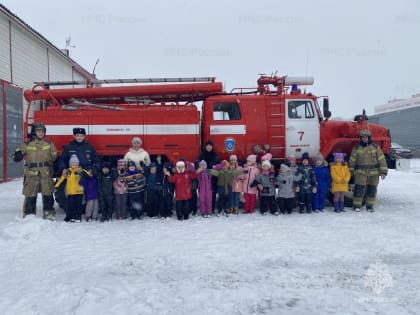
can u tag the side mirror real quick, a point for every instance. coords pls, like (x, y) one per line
(326, 108)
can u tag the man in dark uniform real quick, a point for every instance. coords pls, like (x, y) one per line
(366, 163)
(39, 154)
(86, 154)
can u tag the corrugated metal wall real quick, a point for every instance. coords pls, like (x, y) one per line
(4, 49)
(403, 124)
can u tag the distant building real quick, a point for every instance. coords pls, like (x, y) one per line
(402, 117)
(25, 57)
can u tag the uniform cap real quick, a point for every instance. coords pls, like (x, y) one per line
(79, 130)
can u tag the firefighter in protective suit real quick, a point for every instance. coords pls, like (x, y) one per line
(39, 155)
(366, 163)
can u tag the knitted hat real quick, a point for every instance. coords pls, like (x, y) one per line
(208, 142)
(168, 166)
(266, 163)
(131, 163)
(152, 164)
(305, 156)
(291, 157)
(266, 157)
(285, 167)
(202, 163)
(252, 158)
(190, 166)
(233, 157)
(74, 160)
(180, 164)
(318, 157)
(338, 155)
(136, 140)
(106, 164)
(121, 163)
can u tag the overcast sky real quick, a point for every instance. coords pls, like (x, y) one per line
(361, 53)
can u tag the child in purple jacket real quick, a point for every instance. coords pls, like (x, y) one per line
(204, 189)
(91, 194)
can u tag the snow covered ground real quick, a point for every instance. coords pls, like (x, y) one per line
(348, 263)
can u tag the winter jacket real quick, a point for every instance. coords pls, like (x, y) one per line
(339, 171)
(367, 159)
(323, 178)
(73, 186)
(286, 182)
(120, 186)
(137, 156)
(249, 178)
(90, 187)
(153, 181)
(224, 178)
(182, 185)
(136, 182)
(106, 183)
(204, 182)
(85, 153)
(237, 181)
(39, 157)
(267, 180)
(306, 178)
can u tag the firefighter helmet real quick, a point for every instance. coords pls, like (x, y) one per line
(365, 132)
(36, 126)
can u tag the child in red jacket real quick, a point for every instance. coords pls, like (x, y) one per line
(181, 180)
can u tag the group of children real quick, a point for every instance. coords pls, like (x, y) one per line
(131, 191)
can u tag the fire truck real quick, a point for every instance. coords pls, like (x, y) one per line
(175, 116)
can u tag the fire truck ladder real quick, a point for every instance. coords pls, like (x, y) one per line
(276, 124)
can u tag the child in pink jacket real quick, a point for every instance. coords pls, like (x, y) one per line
(249, 189)
(237, 184)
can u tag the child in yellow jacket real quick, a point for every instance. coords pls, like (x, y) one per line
(340, 177)
(73, 190)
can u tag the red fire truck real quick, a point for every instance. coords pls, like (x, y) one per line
(175, 116)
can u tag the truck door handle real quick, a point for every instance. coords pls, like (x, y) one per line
(290, 128)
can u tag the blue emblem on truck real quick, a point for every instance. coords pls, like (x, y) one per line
(230, 144)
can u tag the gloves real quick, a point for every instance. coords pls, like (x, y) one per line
(246, 171)
(17, 155)
(383, 176)
(254, 184)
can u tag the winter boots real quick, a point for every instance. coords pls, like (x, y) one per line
(234, 211)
